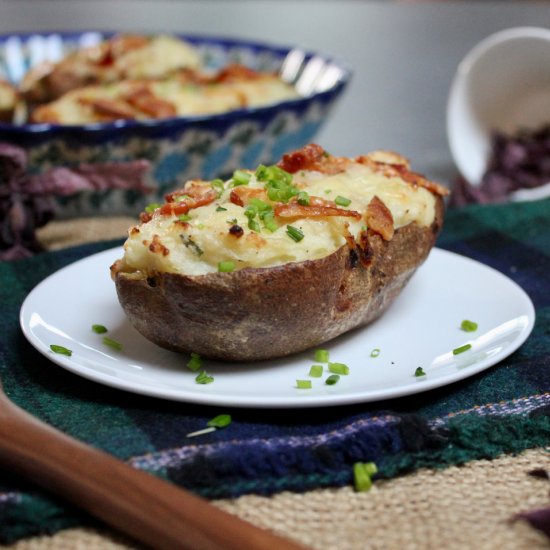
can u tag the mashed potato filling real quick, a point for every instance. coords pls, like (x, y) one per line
(196, 242)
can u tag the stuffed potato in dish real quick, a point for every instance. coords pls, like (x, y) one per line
(280, 259)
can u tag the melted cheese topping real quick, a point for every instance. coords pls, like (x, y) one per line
(165, 244)
(76, 107)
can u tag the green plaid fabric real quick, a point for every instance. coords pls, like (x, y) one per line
(505, 409)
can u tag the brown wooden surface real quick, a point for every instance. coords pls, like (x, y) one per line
(145, 507)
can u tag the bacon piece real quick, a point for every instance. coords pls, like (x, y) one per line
(183, 206)
(317, 208)
(143, 99)
(313, 157)
(241, 195)
(235, 72)
(380, 219)
(392, 165)
(110, 109)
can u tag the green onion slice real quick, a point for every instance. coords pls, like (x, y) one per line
(195, 363)
(342, 201)
(294, 233)
(152, 207)
(338, 368)
(112, 343)
(419, 372)
(316, 371)
(221, 209)
(220, 421)
(332, 379)
(321, 355)
(468, 326)
(462, 349)
(218, 186)
(362, 475)
(375, 352)
(240, 177)
(226, 267)
(204, 378)
(61, 350)
(303, 384)
(99, 329)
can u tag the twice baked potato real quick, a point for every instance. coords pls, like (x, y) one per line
(277, 260)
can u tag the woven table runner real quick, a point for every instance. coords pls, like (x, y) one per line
(502, 410)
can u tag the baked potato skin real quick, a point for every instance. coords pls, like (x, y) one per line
(262, 313)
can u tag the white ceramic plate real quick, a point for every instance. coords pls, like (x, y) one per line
(420, 330)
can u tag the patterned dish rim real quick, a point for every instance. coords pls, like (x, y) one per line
(341, 75)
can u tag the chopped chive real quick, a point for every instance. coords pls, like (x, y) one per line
(328, 191)
(220, 421)
(184, 217)
(362, 475)
(226, 267)
(221, 209)
(342, 201)
(201, 432)
(419, 372)
(462, 349)
(152, 207)
(303, 384)
(218, 186)
(99, 329)
(61, 350)
(195, 363)
(240, 177)
(316, 371)
(338, 368)
(468, 326)
(203, 378)
(321, 355)
(294, 233)
(375, 352)
(112, 343)
(332, 379)
(269, 222)
(303, 198)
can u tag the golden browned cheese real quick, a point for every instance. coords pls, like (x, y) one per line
(329, 257)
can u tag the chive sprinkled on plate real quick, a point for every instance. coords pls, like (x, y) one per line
(419, 372)
(204, 378)
(316, 371)
(303, 384)
(468, 326)
(332, 379)
(220, 421)
(99, 329)
(321, 355)
(195, 363)
(112, 343)
(61, 350)
(462, 349)
(375, 352)
(338, 368)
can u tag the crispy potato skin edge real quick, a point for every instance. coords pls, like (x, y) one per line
(255, 314)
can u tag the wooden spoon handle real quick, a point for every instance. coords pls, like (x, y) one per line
(141, 505)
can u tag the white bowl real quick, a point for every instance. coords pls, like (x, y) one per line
(503, 84)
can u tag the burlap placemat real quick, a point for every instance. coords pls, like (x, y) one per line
(455, 508)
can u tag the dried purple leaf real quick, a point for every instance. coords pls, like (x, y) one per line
(538, 518)
(520, 161)
(26, 200)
